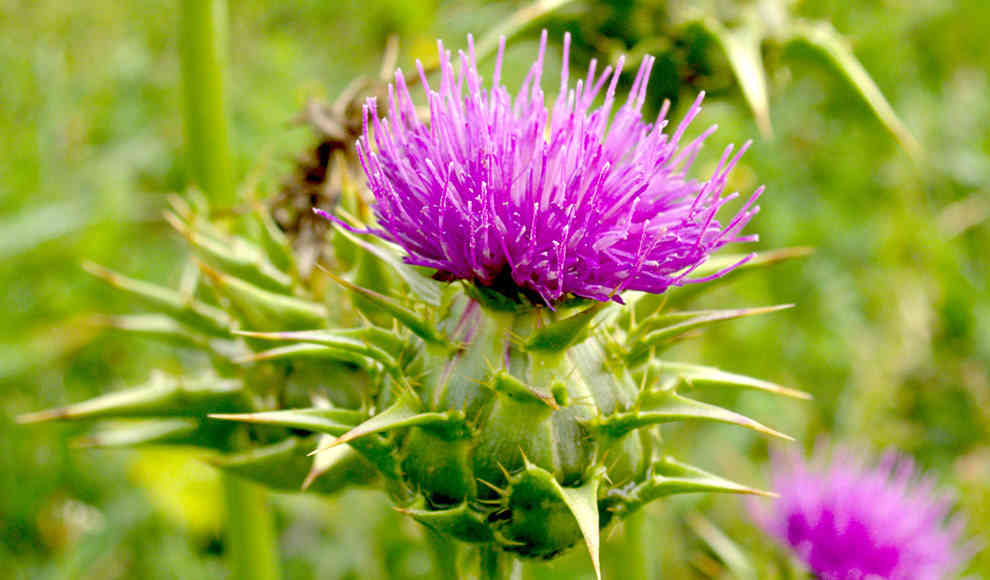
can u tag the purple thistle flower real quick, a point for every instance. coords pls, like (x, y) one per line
(849, 520)
(501, 191)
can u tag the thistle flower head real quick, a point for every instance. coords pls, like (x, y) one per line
(848, 519)
(574, 200)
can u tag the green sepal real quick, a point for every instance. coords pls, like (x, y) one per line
(742, 45)
(358, 342)
(150, 432)
(419, 325)
(285, 465)
(583, 503)
(658, 406)
(331, 421)
(538, 521)
(273, 240)
(162, 396)
(236, 256)
(656, 339)
(460, 522)
(187, 310)
(669, 476)
(167, 329)
(700, 375)
(404, 412)
(563, 334)
(308, 351)
(508, 385)
(423, 288)
(264, 310)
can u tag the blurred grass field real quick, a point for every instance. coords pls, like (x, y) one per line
(891, 333)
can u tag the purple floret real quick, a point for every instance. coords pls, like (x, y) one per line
(849, 520)
(493, 188)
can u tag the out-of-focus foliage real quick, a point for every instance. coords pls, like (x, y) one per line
(891, 333)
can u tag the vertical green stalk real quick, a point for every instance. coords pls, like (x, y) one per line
(443, 551)
(637, 561)
(250, 541)
(250, 536)
(203, 44)
(495, 564)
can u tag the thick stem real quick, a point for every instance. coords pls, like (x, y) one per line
(495, 564)
(443, 552)
(250, 534)
(637, 558)
(203, 43)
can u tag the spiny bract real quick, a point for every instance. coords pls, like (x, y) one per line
(483, 413)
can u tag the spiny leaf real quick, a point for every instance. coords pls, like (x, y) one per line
(308, 351)
(331, 421)
(510, 386)
(190, 311)
(742, 47)
(263, 309)
(460, 522)
(727, 550)
(583, 503)
(276, 245)
(425, 289)
(235, 255)
(669, 477)
(170, 431)
(824, 38)
(163, 396)
(666, 406)
(697, 375)
(656, 338)
(285, 465)
(562, 334)
(341, 341)
(405, 412)
(414, 322)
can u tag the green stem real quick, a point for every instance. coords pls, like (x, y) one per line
(495, 564)
(637, 558)
(250, 539)
(250, 536)
(203, 42)
(443, 552)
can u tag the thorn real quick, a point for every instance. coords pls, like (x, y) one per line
(494, 487)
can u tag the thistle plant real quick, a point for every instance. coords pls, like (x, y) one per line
(852, 516)
(490, 352)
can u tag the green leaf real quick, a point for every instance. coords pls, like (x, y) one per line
(460, 522)
(285, 466)
(265, 310)
(331, 421)
(666, 406)
(236, 256)
(826, 40)
(562, 334)
(405, 412)
(583, 503)
(669, 477)
(728, 551)
(425, 289)
(185, 309)
(699, 375)
(337, 341)
(162, 396)
(742, 47)
(655, 339)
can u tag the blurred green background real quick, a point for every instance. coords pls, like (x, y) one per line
(891, 332)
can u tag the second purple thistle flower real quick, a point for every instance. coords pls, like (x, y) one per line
(570, 201)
